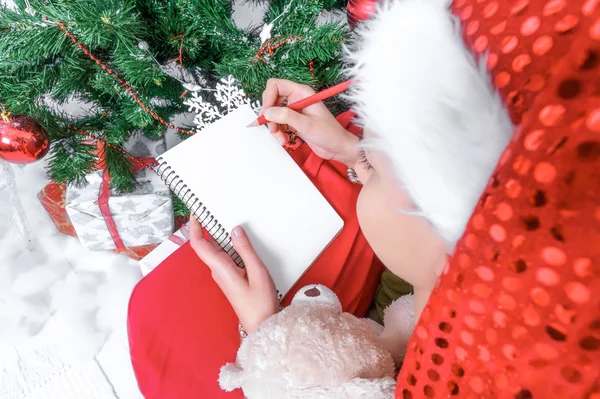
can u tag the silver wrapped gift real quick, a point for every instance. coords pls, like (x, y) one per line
(141, 217)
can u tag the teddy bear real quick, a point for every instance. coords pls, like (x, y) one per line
(312, 349)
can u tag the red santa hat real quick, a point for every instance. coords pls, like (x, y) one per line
(431, 107)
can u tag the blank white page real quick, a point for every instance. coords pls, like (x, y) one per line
(244, 177)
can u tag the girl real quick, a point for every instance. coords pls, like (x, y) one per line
(513, 312)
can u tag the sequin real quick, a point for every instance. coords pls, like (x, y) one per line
(546, 351)
(551, 115)
(520, 62)
(504, 211)
(502, 79)
(589, 7)
(595, 30)
(499, 318)
(547, 276)
(530, 26)
(490, 9)
(577, 292)
(554, 256)
(472, 27)
(485, 273)
(466, 13)
(498, 28)
(510, 352)
(582, 267)
(542, 45)
(519, 6)
(544, 173)
(593, 120)
(498, 233)
(476, 384)
(466, 337)
(540, 297)
(554, 7)
(531, 317)
(535, 83)
(533, 140)
(492, 60)
(566, 23)
(480, 44)
(513, 188)
(509, 43)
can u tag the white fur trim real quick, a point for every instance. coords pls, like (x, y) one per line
(432, 108)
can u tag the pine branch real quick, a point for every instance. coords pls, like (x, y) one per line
(71, 160)
(119, 168)
(179, 208)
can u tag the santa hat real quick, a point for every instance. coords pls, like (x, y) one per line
(431, 107)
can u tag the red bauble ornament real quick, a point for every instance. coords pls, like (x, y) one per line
(360, 10)
(22, 140)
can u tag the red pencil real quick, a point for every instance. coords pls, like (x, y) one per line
(315, 98)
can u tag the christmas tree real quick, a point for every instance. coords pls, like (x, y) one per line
(134, 63)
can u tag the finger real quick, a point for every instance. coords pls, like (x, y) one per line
(285, 116)
(214, 243)
(230, 278)
(273, 127)
(285, 88)
(280, 101)
(198, 233)
(258, 275)
(203, 248)
(281, 137)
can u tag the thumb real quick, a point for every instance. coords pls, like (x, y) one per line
(255, 268)
(286, 116)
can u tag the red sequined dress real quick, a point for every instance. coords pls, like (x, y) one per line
(517, 312)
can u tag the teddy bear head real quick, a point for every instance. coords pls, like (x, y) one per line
(311, 349)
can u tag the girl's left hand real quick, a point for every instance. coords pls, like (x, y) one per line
(250, 291)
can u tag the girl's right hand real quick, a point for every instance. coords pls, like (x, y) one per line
(314, 124)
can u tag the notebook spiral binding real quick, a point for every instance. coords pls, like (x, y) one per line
(197, 208)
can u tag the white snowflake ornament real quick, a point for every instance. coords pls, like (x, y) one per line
(229, 96)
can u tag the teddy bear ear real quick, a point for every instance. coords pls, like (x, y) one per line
(372, 388)
(231, 377)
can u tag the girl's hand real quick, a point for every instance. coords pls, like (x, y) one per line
(250, 291)
(314, 124)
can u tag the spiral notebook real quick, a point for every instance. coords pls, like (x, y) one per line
(228, 175)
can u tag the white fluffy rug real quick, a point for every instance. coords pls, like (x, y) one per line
(62, 308)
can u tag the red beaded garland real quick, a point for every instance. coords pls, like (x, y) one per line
(91, 136)
(121, 81)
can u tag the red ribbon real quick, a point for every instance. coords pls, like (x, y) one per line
(104, 196)
(185, 232)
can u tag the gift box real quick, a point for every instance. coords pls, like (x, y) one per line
(52, 198)
(165, 249)
(104, 219)
(101, 219)
(133, 223)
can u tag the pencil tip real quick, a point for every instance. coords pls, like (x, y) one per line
(253, 124)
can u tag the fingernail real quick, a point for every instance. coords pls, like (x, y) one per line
(281, 139)
(238, 231)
